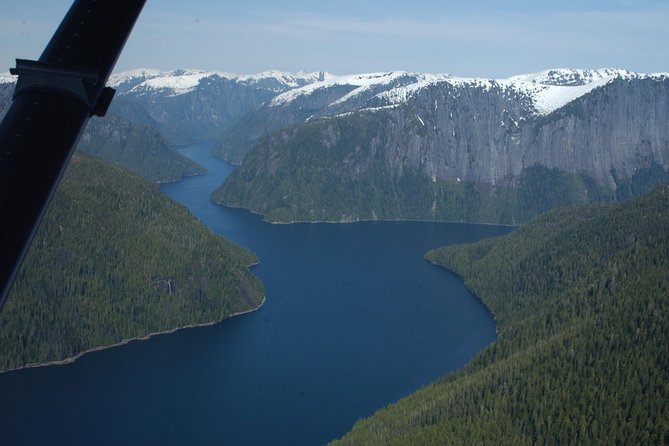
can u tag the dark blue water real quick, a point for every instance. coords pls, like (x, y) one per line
(355, 319)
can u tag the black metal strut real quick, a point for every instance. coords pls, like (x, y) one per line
(53, 100)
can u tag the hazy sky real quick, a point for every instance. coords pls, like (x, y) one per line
(491, 38)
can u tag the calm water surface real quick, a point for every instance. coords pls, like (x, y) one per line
(355, 319)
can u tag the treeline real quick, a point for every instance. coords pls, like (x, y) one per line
(115, 259)
(581, 299)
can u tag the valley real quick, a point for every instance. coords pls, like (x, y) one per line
(397, 145)
(578, 160)
(351, 310)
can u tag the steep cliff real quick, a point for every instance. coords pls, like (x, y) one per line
(473, 150)
(324, 98)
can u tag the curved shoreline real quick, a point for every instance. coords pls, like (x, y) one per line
(360, 220)
(123, 342)
(179, 180)
(470, 291)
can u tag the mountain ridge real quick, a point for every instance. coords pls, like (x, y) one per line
(182, 81)
(445, 137)
(535, 95)
(603, 130)
(537, 85)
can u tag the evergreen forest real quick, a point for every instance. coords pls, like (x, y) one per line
(581, 300)
(115, 259)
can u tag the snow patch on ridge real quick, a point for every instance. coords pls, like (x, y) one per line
(553, 89)
(179, 82)
(550, 98)
(360, 81)
(292, 80)
(547, 90)
(402, 94)
(363, 83)
(141, 74)
(6, 78)
(570, 77)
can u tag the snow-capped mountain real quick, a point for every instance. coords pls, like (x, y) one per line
(187, 105)
(6, 78)
(570, 77)
(540, 140)
(178, 106)
(525, 97)
(547, 90)
(594, 132)
(183, 81)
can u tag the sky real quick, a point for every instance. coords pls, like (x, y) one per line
(486, 38)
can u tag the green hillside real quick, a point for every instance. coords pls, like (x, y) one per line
(581, 299)
(137, 147)
(116, 259)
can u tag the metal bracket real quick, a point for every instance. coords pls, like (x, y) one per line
(73, 82)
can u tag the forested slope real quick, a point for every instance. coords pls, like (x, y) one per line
(115, 259)
(581, 299)
(137, 147)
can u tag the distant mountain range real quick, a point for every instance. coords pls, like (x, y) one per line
(188, 105)
(416, 146)
(400, 145)
(153, 111)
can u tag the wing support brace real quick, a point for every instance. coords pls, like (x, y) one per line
(53, 100)
(76, 83)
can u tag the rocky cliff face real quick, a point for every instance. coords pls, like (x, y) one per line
(325, 98)
(500, 138)
(486, 136)
(486, 130)
(621, 127)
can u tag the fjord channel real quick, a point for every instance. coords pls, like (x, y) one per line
(355, 318)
